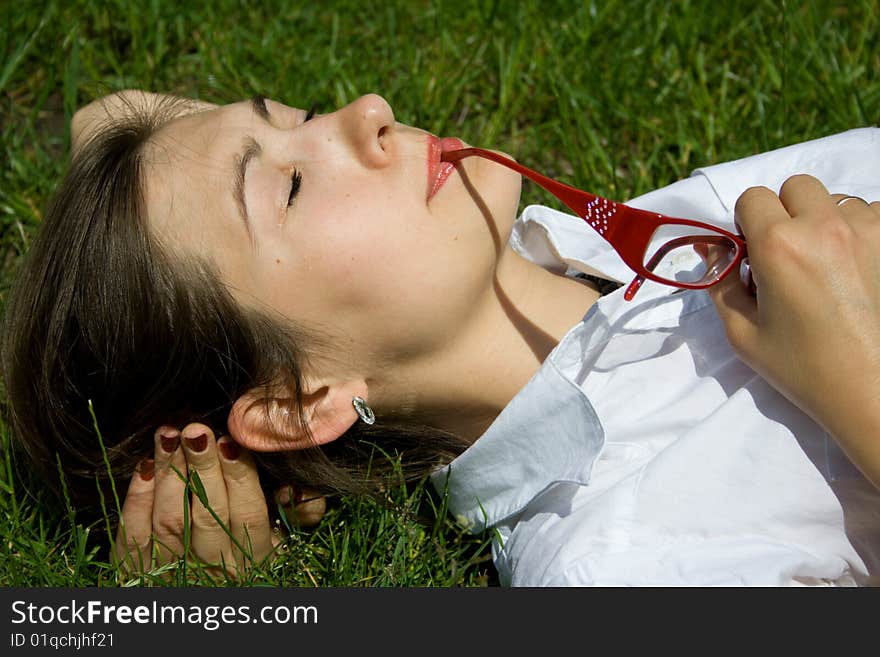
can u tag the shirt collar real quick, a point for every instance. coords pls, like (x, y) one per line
(561, 242)
(549, 432)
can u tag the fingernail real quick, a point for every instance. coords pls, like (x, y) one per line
(169, 442)
(230, 449)
(199, 443)
(145, 469)
(289, 496)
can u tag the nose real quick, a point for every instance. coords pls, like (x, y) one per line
(367, 124)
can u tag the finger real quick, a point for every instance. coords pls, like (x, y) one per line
(843, 199)
(757, 211)
(802, 193)
(862, 216)
(248, 514)
(170, 495)
(210, 540)
(738, 310)
(133, 536)
(302, 507)
(855, 208)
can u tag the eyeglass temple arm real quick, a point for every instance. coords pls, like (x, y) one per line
(577, 200)
(618, 233)
(574, 198)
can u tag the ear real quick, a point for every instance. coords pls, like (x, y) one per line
(263, 427)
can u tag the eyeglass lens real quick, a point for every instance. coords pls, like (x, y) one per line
(670, 254)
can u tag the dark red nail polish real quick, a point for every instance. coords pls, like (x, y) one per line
(145, 469)
(284, 496)
(169, 442)
(230, 449)
(198, 443)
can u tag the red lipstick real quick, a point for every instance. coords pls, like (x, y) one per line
(439, 171)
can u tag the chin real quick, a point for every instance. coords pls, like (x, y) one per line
(494, 188)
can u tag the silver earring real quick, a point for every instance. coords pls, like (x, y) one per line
(365, 413)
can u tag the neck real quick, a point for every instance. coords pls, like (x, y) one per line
(524, 315)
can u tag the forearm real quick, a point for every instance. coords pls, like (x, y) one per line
(855, 425)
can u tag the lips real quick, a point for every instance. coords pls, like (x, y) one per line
(438, 171)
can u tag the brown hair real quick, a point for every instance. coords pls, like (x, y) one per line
(101, 313)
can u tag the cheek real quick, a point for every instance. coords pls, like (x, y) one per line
(394, 252)
(360, 261)
(373, 257)
(317, 263)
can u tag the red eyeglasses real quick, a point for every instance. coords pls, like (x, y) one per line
(646, 241)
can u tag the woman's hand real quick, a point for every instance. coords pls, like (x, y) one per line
(151, 532)
(813, 330)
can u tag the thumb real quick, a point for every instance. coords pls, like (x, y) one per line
(737, 307)
(303, 508)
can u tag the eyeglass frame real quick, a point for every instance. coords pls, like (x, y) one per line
(627, 229)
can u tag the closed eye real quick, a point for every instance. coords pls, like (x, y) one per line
(295, 182)
(296, 176)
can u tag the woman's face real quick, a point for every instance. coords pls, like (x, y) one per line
(363, 245)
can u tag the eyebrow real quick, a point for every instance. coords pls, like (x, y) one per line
(251, 150)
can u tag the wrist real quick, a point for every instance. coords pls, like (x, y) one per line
(855, 426)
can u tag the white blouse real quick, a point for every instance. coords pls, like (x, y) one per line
(643, 452)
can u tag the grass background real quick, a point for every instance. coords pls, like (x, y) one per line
(617, 97)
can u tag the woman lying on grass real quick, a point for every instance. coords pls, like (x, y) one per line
(261, 283)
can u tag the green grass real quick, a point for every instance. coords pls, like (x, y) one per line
(617, 97)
